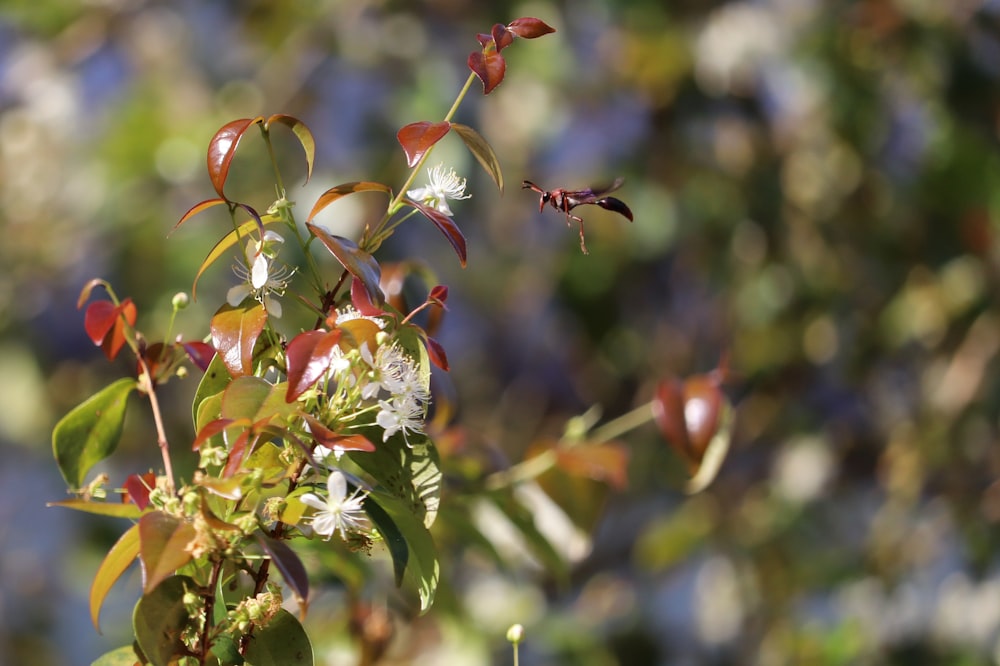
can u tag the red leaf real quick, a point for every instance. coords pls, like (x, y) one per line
(489, 66)
(308, 357)
(668, 412)
(446, 225)
(200, 353)
(222, 148)
(417, 138)
(502, 37)
(361, 300)
(437, 354)
(339, 191)
(236, 454)
(99, 319)
(105, 324)
(702, 406)
(484, 39)
(529, 27)
(234, 334)
(302, 133)
(211, 429)
(439, 294)
(137, 489)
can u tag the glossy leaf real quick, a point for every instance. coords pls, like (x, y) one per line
(112, 509)
(118, 559)
(216, 427)
(358, 263)
(482, 151)
(489, 66)
(158, 619)
(302, 133)
(222, 149)
(283, 642)
(418, 138)
(230, 240)
(234, 333)
(308, 357)
(290, 566)
(362, 300)
(446, 225)
(163, 541)
(421, 564)
(529, 28)
(343, 190)
(90, 432)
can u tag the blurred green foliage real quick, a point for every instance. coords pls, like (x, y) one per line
(815, 190)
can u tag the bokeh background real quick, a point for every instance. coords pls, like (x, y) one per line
(816, 188)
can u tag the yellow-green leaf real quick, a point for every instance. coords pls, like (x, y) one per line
(118, 559)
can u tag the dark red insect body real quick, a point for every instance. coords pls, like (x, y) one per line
(567, 200)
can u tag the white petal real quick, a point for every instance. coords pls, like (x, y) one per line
(272, 236)
(236, 295)
(336, 485)
(313, 500)
(258, 272)
(324, 523)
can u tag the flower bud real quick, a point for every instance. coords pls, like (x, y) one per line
(180, 300)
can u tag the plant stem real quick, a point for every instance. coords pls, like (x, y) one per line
(161, 435)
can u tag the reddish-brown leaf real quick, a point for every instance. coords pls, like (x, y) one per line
(502, 37)
(362, 300)
(236, 454)
(417, 138)
(529, 27)
(668, 412)
(437, 354)
(308, 357)
(339, 191)
(489, 66)
(162, 546)
(358, 263)
(703, 400)
(439, 294)
(302, 133)
(200, 353)
(330, 439)
(446, 225)
(234, 333)
(222, 148)
(213, 428)
(290, 566)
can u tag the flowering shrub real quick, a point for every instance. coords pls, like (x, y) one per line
(323, 435)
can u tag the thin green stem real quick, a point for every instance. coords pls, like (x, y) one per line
(625, 423)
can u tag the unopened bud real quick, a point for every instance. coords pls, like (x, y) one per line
(515, 634)
(180, 300)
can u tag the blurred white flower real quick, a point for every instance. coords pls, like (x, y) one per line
(402, 413)
(443, 185)
(264, 277)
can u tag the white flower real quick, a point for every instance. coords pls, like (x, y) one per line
(394, 372)
(337, 511)
(263, 278)
(443, 186)
(402, 413)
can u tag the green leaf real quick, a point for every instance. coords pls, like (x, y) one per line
(482, 151)
(391, 536)
(123, 656)
(90, 432)
(412, 474)
(163, 540)
(118, 559)
(283, 642)
(113, 509)
(255, 399)
(714, 454)
(213, 382)
(234, 334)
(159, 618)
(421, 563)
